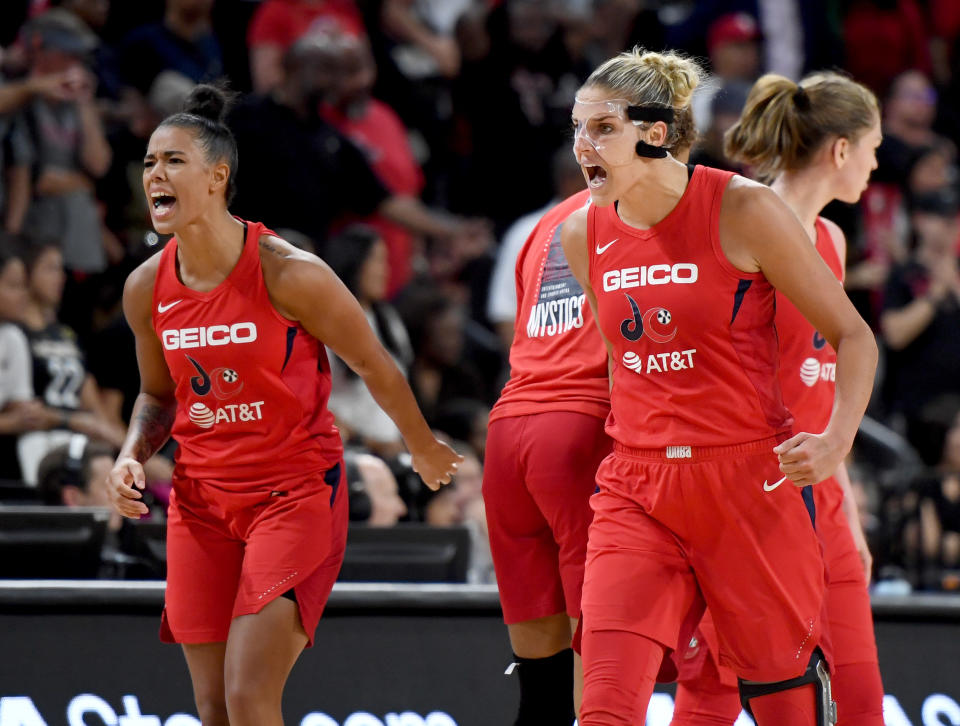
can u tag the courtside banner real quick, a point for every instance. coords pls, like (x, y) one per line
(87, 654)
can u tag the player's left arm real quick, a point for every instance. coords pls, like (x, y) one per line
(759, 232)
(303, 288)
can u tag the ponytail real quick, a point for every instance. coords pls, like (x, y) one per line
(784, 123)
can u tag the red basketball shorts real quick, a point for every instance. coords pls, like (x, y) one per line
(849, 624)
(539, 473)
(231, 553)
(713, 527)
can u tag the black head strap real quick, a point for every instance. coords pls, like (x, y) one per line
(650, 113)
(650, 151)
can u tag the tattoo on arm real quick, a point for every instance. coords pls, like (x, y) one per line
(151, 427)
(271, 248)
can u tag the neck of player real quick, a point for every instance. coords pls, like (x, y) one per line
(654, 194)
(806, 192)
(208, 248)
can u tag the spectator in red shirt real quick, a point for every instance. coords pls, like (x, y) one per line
(945, 27)
(378, 131)
(277, 24)
(884, 38)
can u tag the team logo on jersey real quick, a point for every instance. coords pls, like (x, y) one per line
(205, 417)
(655, 323)
(812, 370)
(632, 361)
(200, 383)
(675, 360)
(818, 341)
(202, 416)
(224, 383)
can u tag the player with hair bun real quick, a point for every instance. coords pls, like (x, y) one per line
(693, 506)
(230, 323)
(817, 142)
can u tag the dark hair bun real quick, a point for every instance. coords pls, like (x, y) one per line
(210, 102)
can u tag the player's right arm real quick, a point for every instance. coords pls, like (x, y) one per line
(155, 407)
(573, 238)
(303, 288)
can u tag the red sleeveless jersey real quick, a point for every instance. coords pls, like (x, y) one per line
(695, 348)
(251, 386)
(558, 361)
(808, 363)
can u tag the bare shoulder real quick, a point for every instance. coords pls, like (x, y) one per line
(575, 225)
(291, 274)
(751, 210)
(282, 261)
(276, 251)
(747, 198)
(754, 223)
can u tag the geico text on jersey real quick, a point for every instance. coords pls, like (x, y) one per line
(201, 337)
(682, 273)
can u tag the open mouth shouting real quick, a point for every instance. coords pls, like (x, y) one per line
(596, 174)
(162, 204)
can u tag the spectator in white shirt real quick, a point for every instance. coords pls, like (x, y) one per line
(19, 411)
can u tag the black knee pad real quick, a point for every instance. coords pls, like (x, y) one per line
(817, 674)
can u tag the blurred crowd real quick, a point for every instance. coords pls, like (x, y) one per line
(413, 144)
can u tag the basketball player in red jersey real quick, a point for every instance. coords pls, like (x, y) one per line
(544, 445)
(230, 323)
(817, 141)
(680, 267)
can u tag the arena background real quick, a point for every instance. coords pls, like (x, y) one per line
(474, 99)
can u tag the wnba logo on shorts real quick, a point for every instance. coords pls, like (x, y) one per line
(680, 452)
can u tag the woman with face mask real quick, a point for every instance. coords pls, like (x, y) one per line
(706, 497)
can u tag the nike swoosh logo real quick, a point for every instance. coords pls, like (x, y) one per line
(771, 487)
(161, 308)
(601, 250)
